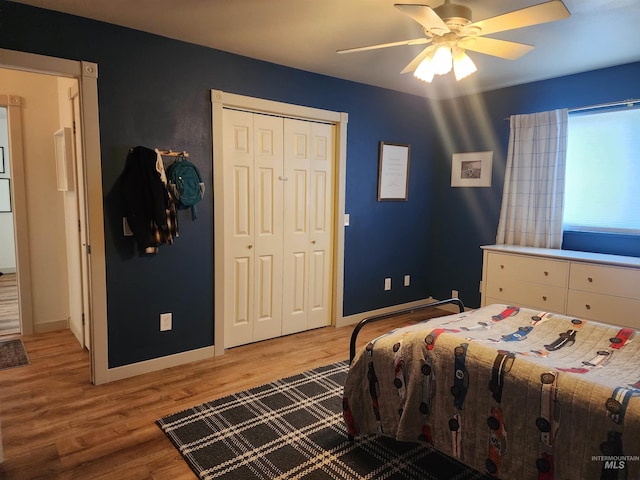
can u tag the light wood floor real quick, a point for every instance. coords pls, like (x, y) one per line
(56, 425)
(9, 316)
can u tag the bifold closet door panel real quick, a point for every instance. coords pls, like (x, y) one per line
(253, 228)
(297, 198)
(268, 171)
(321, 224)
(308, 219)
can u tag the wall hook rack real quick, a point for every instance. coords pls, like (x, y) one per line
(171, 153)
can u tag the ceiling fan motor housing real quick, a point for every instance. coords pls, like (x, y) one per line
(454, 15)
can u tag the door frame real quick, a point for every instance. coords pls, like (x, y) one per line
(86, 73)
(221, 100)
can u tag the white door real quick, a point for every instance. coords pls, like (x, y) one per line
(267, 141)
(321, 215)
(253, 234)
(308, 219)
(82, 220)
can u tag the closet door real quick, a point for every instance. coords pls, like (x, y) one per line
(321, 212)
(308, 211)
(268, 154)
(253, 232)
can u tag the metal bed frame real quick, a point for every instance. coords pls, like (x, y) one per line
(375, 318)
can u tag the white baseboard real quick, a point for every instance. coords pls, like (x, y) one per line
(51, 326)
(155, 364)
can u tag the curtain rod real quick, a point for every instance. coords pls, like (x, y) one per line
(629, 103)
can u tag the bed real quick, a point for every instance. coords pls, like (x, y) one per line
(509, 391)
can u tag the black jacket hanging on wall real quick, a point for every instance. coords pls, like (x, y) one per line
(147, 205)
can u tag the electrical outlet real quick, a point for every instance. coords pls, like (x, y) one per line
(407, 280)
(165, 322)
(454, 293)
(387, 284)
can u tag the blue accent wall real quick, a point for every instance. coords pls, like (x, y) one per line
(466, 218)
(155, 92)
(614, 244)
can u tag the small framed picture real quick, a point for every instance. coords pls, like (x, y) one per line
(393, 171)
(5, 195)
(471, 169)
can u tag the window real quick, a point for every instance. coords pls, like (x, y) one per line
(602, 184)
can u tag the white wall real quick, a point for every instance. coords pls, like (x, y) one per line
(7, 247)
(45, 204)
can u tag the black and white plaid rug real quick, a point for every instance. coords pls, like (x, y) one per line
(293, 428)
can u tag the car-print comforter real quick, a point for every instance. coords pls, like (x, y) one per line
(513, 392)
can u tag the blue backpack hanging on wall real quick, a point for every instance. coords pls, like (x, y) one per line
(185, 185)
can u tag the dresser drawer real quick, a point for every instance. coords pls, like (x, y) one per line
(618, 281)
(529, 269)
(604, 308)
(544, 297)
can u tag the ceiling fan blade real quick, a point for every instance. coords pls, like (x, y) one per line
(416, 61)
(425, 16)
(525, 17)
(415, 41)
(495, 47)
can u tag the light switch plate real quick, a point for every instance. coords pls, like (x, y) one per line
(125, 228)
(165, 322)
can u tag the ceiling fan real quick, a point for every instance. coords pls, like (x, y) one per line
(450, 32)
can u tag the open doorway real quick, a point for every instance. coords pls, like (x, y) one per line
(35, 287)
(9, 312)
(51, 213)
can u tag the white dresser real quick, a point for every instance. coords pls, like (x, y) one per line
(579, 284)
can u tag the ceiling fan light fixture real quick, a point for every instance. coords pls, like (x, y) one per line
(425, 71)
(449, 27)
(442, 60)
(463, 66)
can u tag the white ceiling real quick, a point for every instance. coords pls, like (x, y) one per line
(305, 34)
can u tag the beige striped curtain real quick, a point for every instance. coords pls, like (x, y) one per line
(533, 196)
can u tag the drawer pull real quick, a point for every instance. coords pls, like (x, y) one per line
(587, 306)
(590, 279)
(502, 266)
(500, 289)
(544, 297)
(546, 274)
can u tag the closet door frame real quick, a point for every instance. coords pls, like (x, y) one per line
(221, 100)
